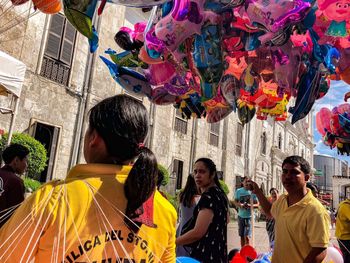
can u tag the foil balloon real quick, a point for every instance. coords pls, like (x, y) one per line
(308, 88)
(245, 113)
(138, 3)
(79, 14)
(337, 12)
(125, 59)
(191, 106)
(208, 58)
(130, 40)
(323, 118)
(155, 47)
(217, 109)
(130, 80)
(160, 96)
(274, 16)
(48, 6)
(185, 19)
(177, 85)
(229, 88)
(158, 74)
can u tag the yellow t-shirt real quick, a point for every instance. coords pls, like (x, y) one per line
(342, 225)
(299, 228)
(81, 220)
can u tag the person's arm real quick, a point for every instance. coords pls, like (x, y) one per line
(264, 202)
(316, 255)
(169, 255)
(205, 217)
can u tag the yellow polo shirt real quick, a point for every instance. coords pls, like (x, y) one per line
(299, 228)
(81, 220)
(342, 225)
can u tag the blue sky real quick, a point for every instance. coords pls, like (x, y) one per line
(334, 97)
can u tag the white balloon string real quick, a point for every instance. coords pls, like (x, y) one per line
(41, 227)
(121, 215)
(26, 220)
(101, 212)
(70, 213)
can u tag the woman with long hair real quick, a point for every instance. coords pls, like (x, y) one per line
(206, 232)
(188, 198)
(107, 210)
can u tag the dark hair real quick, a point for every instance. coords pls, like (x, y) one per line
(212, 169)
(190, 190)
(232, 253)
(312, 187)
(13, 151)
(122, 122)
(160, 178)
(273, 189)
(298, 160)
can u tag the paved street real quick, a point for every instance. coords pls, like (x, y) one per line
(261, 240)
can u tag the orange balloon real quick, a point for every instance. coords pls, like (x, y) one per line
(48, 6)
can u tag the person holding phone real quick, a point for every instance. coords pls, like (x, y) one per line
(242, 201)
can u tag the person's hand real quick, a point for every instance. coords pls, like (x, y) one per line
(254, 187)
(246, 206)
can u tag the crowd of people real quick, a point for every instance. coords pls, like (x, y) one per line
(109, 209)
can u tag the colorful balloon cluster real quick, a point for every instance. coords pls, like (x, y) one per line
(212, 57)
(45, 6)
(334, 126)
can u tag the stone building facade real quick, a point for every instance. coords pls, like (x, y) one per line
(56, 112)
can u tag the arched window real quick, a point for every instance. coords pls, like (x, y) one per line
(280, 141)
(263, 143)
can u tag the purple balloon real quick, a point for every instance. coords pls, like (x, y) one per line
(293, 16)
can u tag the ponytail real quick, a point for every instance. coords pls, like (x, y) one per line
(141, 183)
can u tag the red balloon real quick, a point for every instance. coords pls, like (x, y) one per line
(238, 259)
(323, 119)
(248, 252)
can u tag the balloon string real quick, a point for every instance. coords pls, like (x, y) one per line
(121, 215)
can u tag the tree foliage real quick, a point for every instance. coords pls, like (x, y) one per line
(224, 187)
(166, 175)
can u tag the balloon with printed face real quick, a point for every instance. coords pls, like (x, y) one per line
(128, 79)
(332, 22)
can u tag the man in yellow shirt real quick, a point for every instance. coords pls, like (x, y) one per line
(301, 222)
(342, 228)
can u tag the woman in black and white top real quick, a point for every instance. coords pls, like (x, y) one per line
(207, 230)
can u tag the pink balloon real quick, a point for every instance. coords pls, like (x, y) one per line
(333, 256)
(323, 119)
(158, 74)
(185, 19)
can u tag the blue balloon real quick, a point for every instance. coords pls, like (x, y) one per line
(186, 260)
